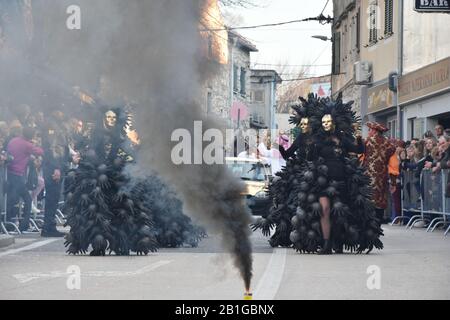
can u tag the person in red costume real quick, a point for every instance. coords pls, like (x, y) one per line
(376, 159)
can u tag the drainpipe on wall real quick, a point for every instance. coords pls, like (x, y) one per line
(232, 43)
(272, 104)
(401, 6)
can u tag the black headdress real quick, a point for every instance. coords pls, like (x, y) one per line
(303, 109)
(344, 117)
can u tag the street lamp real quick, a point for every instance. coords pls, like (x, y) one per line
(323, 38)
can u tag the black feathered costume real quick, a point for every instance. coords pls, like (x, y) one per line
(172, 227)
(110, 212)
(331, 170)
(103, 209)
(284, 204)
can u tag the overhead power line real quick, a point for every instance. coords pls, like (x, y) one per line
(321, 18)
(291, 65)
(300, 79)
(326, 5)
(307, 78)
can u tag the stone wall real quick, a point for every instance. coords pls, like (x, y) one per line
(220, 87)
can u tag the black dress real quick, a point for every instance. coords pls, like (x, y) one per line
(300, 149)
(284, 206)
(335, 174)
(333, 154)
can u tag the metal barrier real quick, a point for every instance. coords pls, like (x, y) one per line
(60, 217)
(435, 201)
(425, 197)
(4, 223)
(410, 196)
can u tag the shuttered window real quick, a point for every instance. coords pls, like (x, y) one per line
(389, 18)
(355, 32)
(258, 96)
(243, 81)
(358, 30)
(337, 53)
(235, 78)
(373, 20)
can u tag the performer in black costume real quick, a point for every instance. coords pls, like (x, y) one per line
(331, 191)
(103, 209)
(108, 210)
(284, 203)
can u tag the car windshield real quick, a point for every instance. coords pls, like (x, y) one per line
(249, 171)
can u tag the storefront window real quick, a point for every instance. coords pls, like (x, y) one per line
(416, 128)
(392, 126)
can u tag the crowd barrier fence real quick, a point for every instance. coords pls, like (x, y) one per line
(424, 199)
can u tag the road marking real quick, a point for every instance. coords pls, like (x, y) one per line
(27, 277)
(270, 281)
(29, 247)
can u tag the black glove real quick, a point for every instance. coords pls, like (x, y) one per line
(283, 152)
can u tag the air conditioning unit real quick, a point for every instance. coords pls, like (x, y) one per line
(362, 72)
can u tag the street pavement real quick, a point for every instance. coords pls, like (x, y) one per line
(413, 265)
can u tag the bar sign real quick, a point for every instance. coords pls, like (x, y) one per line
(432, 6)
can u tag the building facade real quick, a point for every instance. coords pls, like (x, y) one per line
(240, 80)
(424, 88)
(263, 104)
(381, 36)
(391, 36)
(346, 50)
(243, 97)
(227, 85)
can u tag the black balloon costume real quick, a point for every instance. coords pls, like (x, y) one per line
(324, 165)
(102, 209)
(108, 211)
(172, 227)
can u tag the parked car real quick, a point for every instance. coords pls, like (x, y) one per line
(256, 176)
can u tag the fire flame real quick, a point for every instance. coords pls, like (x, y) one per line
(133, 136)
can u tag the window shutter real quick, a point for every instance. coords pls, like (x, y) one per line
(358, 30)
(373, 33)
(235, 78)
(243, 81)
(337, 53)
(389, 17)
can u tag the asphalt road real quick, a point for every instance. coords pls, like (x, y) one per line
(414, 265)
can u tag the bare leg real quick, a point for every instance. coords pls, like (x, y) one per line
(325, 220)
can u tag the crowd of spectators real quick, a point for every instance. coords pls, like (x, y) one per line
(36, 150)
(431, 154)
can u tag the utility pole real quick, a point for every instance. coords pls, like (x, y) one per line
(401, 7)
(393, 86)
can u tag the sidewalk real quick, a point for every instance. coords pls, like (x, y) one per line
(6, 240)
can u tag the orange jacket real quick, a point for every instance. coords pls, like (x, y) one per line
(394, 168)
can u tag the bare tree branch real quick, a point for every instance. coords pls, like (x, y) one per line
(238, 3)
